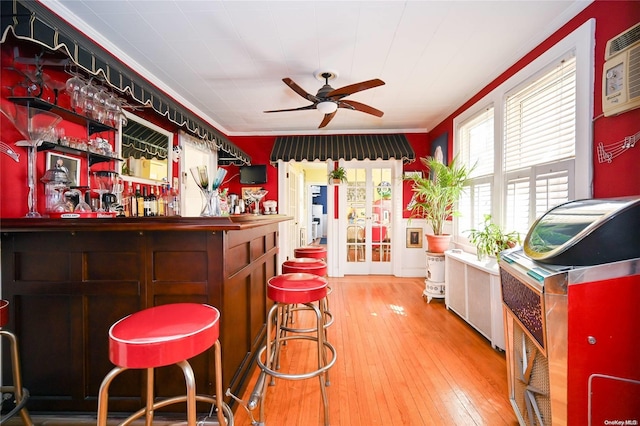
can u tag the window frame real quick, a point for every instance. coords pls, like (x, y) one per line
(582, 42)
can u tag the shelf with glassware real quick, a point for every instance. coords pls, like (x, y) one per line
(93, 126)
(95, 149)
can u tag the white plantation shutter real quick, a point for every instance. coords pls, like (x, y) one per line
(552, 186)
(517, 204)
(474, 204)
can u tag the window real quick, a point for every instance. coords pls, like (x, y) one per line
(532, 146)
(540, 134)
(477, 152)
(195, 152)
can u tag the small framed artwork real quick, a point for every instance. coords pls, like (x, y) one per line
(70, 165)
(414, 237)
(413, 174)
(439, 148)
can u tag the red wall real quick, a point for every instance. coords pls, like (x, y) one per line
(259, 148)
(620, 177)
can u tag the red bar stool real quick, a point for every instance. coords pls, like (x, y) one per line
(20, 394)
(314, 252)
(161, 336)
(290, 289)
(309, 266)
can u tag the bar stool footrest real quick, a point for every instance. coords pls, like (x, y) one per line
(19, 405)
(228, 414)
(328, 320)
(300, 376)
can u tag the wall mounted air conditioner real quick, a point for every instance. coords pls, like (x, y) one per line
(621, 73)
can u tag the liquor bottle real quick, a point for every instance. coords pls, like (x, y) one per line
(170, 209)
(162, 202)
(146, 208)
(153, 203)
(174, 198)
(126, 200)
(139, 202)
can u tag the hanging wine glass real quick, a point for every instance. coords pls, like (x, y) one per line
(112, 106)
(72, 87)
(100, 106)
(87, 96)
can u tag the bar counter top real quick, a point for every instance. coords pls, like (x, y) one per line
(233, 222)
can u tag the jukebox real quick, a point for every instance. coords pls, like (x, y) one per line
(571, 304)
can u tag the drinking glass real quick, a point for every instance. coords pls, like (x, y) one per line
(72, 87)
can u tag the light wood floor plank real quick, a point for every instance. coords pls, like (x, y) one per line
(400, 361)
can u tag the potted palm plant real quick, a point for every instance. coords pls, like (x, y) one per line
(435, 197)
(490, 240)
(338, 175)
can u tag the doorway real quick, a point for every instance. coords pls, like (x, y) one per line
(361, 214)
(366, 217)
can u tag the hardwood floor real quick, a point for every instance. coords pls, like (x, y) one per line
(400, 361)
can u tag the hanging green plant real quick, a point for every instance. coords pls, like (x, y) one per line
(338, 175)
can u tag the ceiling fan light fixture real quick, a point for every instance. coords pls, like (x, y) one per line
(327, 107)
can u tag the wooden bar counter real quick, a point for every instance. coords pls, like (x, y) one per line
(68, 280)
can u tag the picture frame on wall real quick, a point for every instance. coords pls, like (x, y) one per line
(414, 237)
(69, 164)
(439, 149)
(413, 174)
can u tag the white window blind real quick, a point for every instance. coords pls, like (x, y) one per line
(540, 119)
(477, 143)
(477, 152)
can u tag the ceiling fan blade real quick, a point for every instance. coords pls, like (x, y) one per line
(354, 88)
(312, 106)
(327, 118)
(299, 90)
(359, 106)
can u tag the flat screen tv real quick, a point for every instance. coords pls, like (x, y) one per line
(250, 175)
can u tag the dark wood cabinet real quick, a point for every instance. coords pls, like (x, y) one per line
(68, 284)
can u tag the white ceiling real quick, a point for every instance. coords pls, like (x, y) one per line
(225, 60)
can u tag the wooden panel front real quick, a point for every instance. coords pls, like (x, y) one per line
(67, 288)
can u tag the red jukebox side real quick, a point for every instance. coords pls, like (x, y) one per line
(604, 352)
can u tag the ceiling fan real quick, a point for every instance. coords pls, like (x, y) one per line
(328, 99)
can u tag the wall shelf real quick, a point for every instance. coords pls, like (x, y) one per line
(92, 125)
(93, 157)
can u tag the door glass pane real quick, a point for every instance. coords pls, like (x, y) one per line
(381, 215)
(356, 214)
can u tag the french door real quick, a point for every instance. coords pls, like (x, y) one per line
(366, 218)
